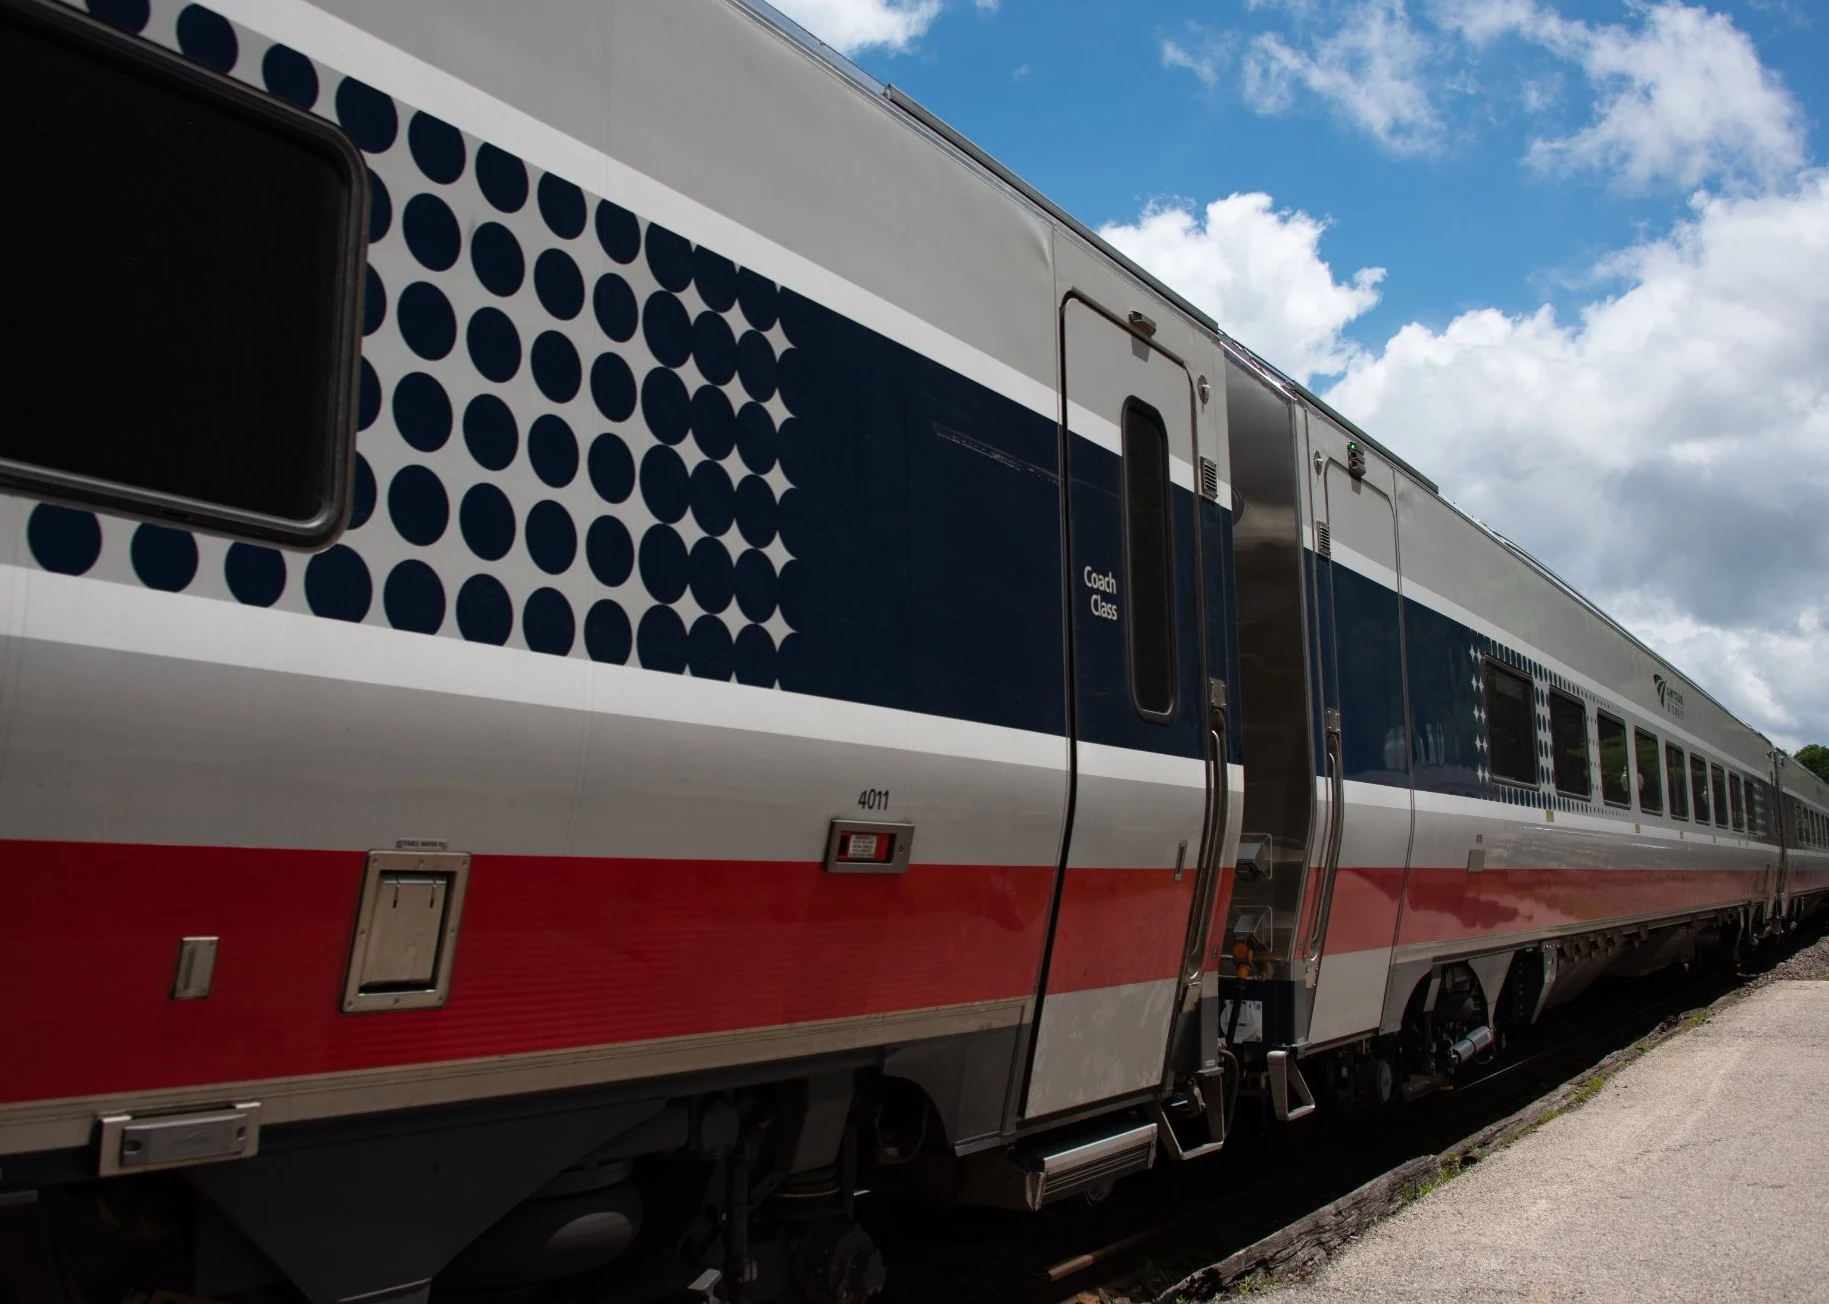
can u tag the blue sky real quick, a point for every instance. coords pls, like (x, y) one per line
(1570, 258)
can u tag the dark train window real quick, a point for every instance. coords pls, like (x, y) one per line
(1615, 764)
(1650, 780)
(1146, 557)
(1569, 746)
(1734, 802)
(1698, 786)
(1718, 781)
(192, 256)
(1673, 776)
(1511, 726)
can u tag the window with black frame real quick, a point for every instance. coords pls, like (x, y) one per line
(1615, 761)
(1650, 778)
(1146, 552)
(191, 252)
(1511, 726)
(1569, 752)
(1679, 788)
(1735, 803)
(1717, 780)
(1698, 786)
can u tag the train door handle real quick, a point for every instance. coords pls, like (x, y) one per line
(1330, 847)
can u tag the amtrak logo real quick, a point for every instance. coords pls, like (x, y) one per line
(1668, 697)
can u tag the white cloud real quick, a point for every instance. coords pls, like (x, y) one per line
(1665, 449)
(1374, 68)
(1259, 272)
(851, 26)
(1204, 64)
(1681, 98)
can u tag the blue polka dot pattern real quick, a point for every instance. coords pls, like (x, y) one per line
(380, 210)
(437, 147)
(289, 75)
(612, 469)
(715, 278)
(484, 613)
(562, 207)
(610, 551)
(417, 505)
(422, 412)
(547, 622)
(487, 521)
(669, 258)
(337, 584)
(494, 344)
(614, 304)
(63, 539)
(502, 178)
(662, 559)
(708, 649)
(713, 500)
(666, 329)
(710, 575)
(164, 558)
(754, 585)
(664, 484)
(559, 284)
(374, 301)
(756, 366)
(367, 115)
(666, 408)
(553, 451)
(496, 257)
(362, 500)
(660, 640)
(431, 232)
(206, 36)
(501, 294)
(427, 323)
(490, 432)
(414, 597)
(128, 15)
(618, 231)
(256, 576)
(552, 539)
(368, 395)
(612, 387)
(756, 438)
(714, 348)
(606, 633)
(758, 298)
(556, 369)
(714, 425)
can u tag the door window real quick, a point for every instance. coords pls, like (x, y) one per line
(1146, 553)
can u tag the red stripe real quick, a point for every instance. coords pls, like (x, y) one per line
(554, 953)
(1119, 926)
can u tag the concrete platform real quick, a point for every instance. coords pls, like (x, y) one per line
(1698, 1172)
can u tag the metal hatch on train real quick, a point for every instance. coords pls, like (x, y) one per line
(1143, 848)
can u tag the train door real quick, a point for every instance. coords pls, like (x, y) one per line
(1141, 774)
(1365, 803)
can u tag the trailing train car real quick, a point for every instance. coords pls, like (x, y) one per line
(607, 631)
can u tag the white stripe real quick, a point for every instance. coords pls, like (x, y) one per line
(1098, 761)
(70, 610)
(1104, 432)
(356, 53)
(1364, 565)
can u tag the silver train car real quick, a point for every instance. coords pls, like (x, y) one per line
(608, 633)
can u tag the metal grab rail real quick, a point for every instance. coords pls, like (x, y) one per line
(1330, 851)
(1212, 835)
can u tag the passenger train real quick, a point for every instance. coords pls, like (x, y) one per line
(609, 633)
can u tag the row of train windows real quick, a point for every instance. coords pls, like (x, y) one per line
(1809, 828)
(1511, 722)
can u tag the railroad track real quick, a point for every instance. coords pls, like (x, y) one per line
(1157, 1228)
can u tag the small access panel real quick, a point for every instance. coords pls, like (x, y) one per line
(406, 931)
